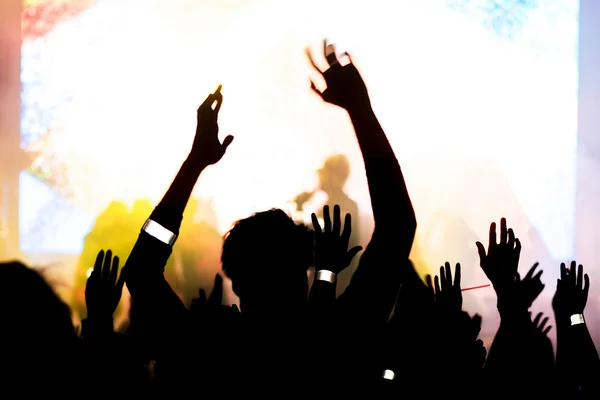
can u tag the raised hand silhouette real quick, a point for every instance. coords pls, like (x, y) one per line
(104, 286)
(214, 300)
(501, 261)
(457, 351)
(453, 333)
(213, 303)
(530, 287)
(571, 291)
(577, 359)
(540, 324)
(331, 248)
(474, 350)
(207, 149)
(218, 325)
(210, 310)
(541, 346)
(447, 295)
(345, 86)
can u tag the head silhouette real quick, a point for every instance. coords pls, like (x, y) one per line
(267, 256)
(334, 173)
(38, 338)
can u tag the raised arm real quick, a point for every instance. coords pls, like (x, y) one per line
(206, 150)
(375, 284)
(145, 266)
(577, 359)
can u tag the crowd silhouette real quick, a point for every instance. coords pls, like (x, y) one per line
(389, 334)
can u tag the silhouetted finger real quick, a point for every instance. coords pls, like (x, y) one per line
(436, 284)
(572, 270)
(475, 327)
(326, 219)
(98, 264)
(347, 229)
(481, 251)
(480, 345)
(216, 296)
(114, 271)
(536, 320)
(330, 56)
(337, 220)
(586, 285)
(480, 352)
(202, 300)
(477, 323)
(517, 249)
(226, 142)
(529, 274)
(503, 231)
(315, 222)
(511, 239)
(312, 61)
(563, 271)
(545, 332)
(543, 324)
(207, 103)
(580, 277)
(443, 281)
(107, 265)
(317, 91)
(493, 240)
(429, 281)
(448, 274)
(218, 99)
(457, 275)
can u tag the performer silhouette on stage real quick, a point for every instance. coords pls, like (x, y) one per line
(332, 179)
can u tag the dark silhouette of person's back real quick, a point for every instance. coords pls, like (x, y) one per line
(267, 256)
(39, 346)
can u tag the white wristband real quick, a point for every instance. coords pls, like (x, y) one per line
(389, 375)
(577, 319)
(324, 275)
(159, 232)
